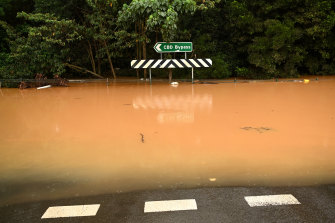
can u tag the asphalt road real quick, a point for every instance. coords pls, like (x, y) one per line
(228, 204)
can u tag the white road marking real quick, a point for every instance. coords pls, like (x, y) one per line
(267, 200)
(170, 205)
(71, 211)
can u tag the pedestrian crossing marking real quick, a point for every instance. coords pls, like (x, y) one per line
(170, 205)
(71, 211)
(267, 200)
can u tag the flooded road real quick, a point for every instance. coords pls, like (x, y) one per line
(91, 139)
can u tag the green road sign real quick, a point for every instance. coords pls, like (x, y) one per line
(173, 47)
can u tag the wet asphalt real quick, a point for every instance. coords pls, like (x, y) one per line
(213, 205)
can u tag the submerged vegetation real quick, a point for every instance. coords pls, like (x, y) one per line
(98, 38)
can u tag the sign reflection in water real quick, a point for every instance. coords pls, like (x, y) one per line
(175, 108)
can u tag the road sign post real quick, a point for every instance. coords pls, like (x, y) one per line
(150, 74)
(172, 47)
(192, 76)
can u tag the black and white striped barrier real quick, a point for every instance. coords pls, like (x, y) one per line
(171, 63)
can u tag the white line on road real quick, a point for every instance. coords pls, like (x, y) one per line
(71, 211)
(267, 200)
(170, 205)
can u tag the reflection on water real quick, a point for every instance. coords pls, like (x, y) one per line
(174, 102)
(91, 139)
(183, 105)
(185, 117)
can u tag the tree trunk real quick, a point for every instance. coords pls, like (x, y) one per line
(110, 60)
(82, 70)
(99, 66)
(137, 51)
(156, 36)
(170, 70)
(170, 75)
(144, 48)
(97, 56)
(90, 52)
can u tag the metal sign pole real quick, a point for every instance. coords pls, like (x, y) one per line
(150, 74)
(192, 76)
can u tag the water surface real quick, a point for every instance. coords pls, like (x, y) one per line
(92, 139)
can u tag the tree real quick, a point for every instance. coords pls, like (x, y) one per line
(55, 39)
(8, 11)
(210, 39)
(102, 33)
(276, 51)
(249, 39)
(283, 38)
(42, 48)
(160, 17)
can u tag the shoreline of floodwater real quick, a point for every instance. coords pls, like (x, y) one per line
(4, 83)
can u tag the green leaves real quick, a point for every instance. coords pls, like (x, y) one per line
(244, 38)
(280, 38)
(43, 47)
(275, 51)
(160, 15)
(169, 26)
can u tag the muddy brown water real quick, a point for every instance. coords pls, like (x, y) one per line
(91, 139)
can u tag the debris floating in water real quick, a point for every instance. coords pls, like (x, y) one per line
(259, 130)
(212, 179)
(206, 82)
(47, 86)
(80, 81)
(142, 137)
(306, 81)
(174, 84)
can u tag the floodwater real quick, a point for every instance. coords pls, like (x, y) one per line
(91, 139)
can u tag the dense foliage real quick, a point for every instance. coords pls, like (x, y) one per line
(89, 38)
